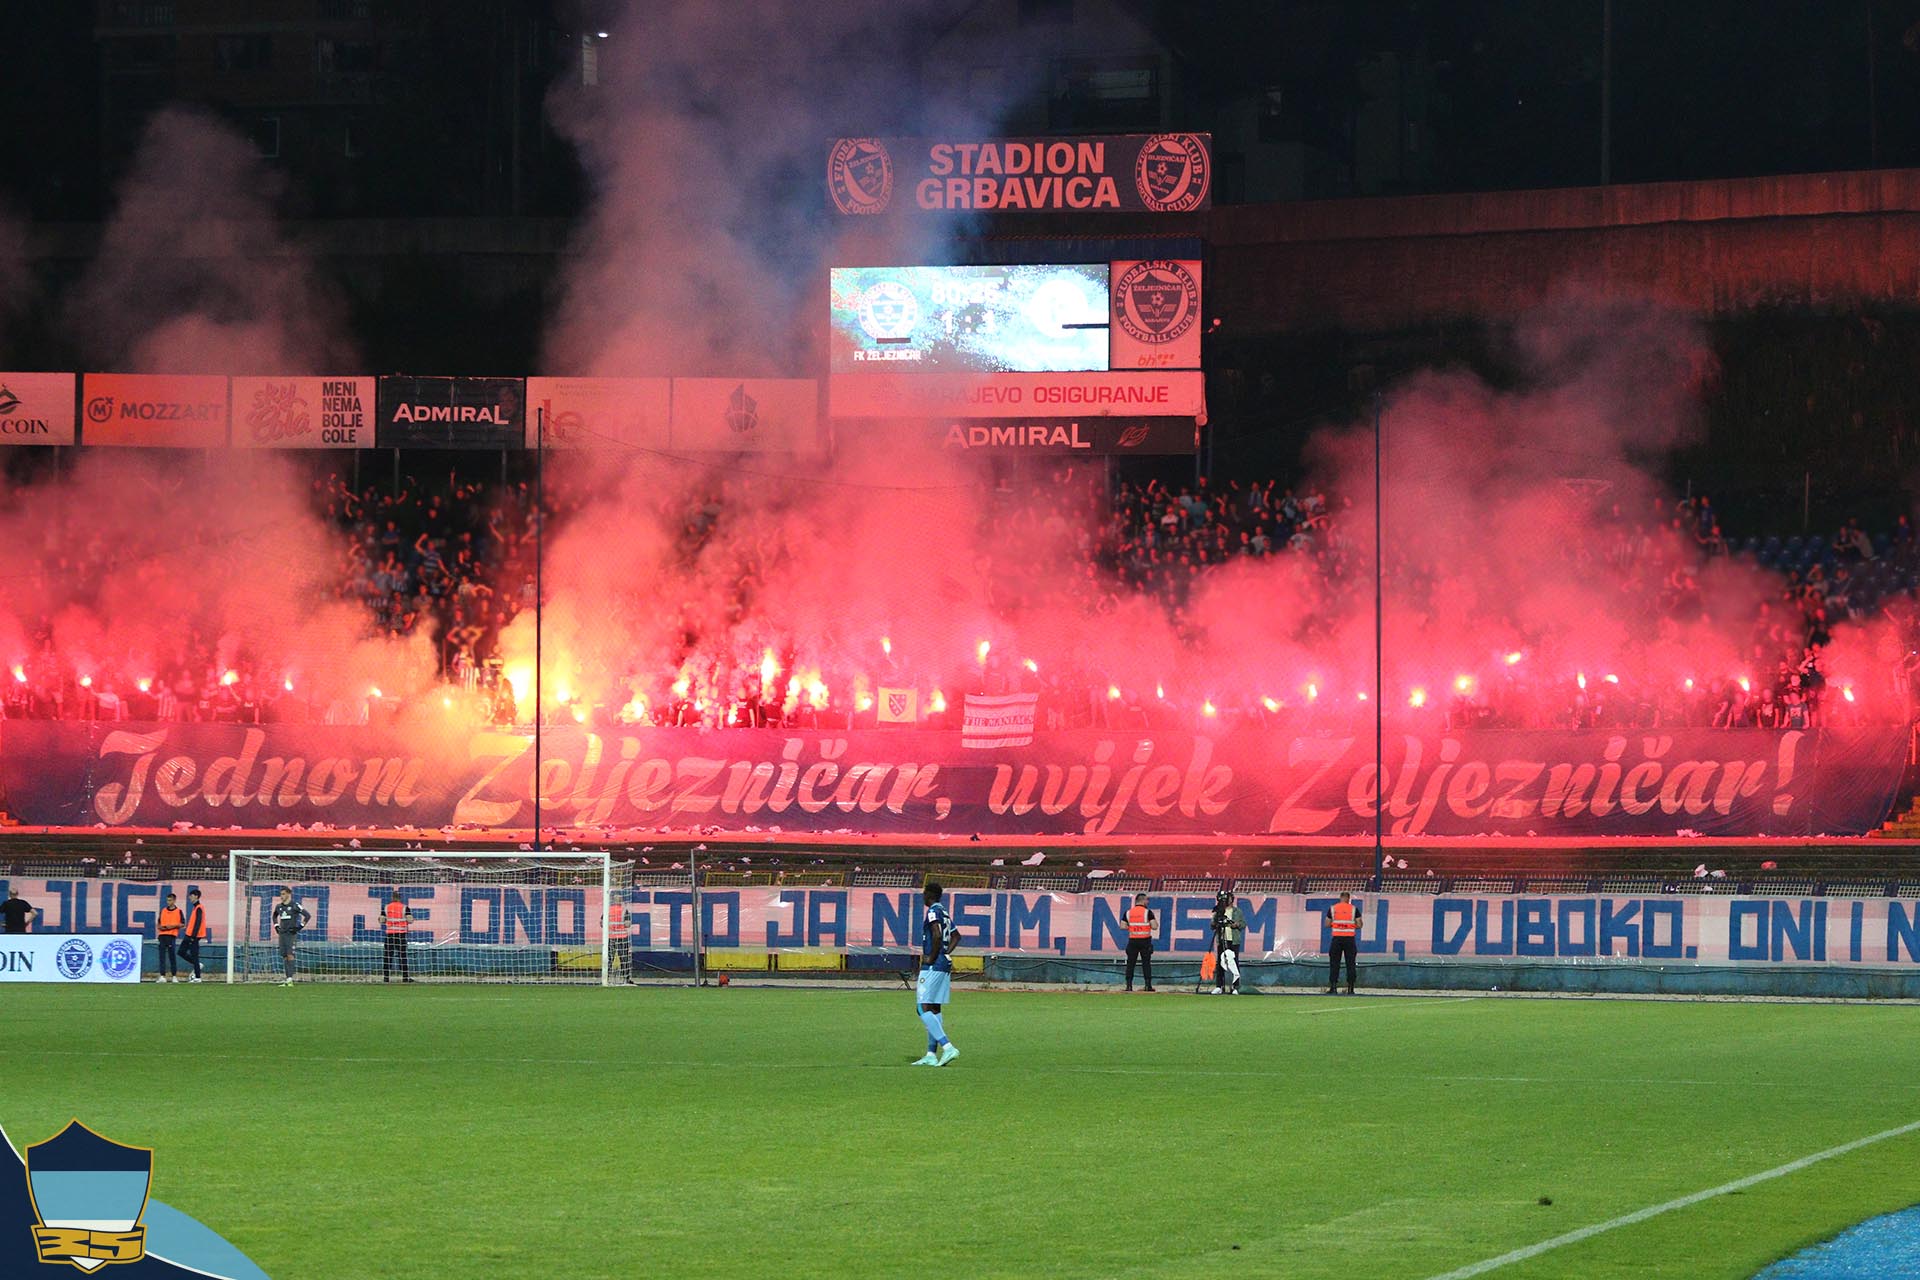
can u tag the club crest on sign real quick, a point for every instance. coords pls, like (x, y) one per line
(119, 958)
(1159, 302)
(74, 959)
(1172, 172)
(860, 175)
(888, 310)
(743, 411)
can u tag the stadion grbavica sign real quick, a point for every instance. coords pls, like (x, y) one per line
(1119, 173)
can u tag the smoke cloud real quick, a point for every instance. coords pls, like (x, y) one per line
(195, 275)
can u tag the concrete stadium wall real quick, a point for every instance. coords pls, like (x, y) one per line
(1402, 975)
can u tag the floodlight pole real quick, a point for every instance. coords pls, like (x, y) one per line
(1379, 660)
(539, 597)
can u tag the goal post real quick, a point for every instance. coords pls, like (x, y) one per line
(469, 916)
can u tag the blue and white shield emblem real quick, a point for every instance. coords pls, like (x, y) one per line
(89, 1194)
(119, 958)
(74, 959)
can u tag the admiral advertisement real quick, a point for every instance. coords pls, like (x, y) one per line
(746, 415)
(452, 413)
(1575, 929)
(1090, 436)
(303, 413)
(154, 410)
(36, 408)
(599, 413)
(1083, 782)
(1117, 173)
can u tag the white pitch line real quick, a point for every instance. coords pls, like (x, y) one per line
(1654, 1211)
(1392, 1002)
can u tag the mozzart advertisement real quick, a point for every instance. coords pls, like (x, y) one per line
(1711, 782)
(1580, 928)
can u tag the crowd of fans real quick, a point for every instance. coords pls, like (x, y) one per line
(450, 562)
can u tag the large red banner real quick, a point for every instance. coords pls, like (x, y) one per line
(1498, 783)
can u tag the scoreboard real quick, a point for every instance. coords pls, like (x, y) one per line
(1042, 342)
(1016, 319)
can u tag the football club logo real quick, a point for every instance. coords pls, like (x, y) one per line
(74, 959)
(897, 703)
(119, 958)
(888, 311)
(89, 1194)
(860, 175)
(1172, 172)
(743, 411)
(1159, 301)
(80, 1199)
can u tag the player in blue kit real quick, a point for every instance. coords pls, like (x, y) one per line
(935, 986)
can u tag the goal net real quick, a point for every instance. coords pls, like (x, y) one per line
(467, 917)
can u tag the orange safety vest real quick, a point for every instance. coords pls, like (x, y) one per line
(197, 922)
(1346, 919)
(170, 922)
(397, 921)
(1137, 926)
(616, 920)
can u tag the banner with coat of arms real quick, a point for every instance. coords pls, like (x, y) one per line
(1118, 173)
(1156, 315)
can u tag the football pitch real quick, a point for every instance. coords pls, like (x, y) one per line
(511, 1131)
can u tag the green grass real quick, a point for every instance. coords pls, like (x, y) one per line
(462, 1131)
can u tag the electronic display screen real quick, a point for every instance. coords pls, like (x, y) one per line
(998, 319)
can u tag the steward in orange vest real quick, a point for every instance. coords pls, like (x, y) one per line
(1343, 939)
(168, 932)
(619, 941)
(197, 932)
(1142, 924)
(397, 921)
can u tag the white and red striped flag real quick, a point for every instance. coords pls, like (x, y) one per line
(999, 720)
